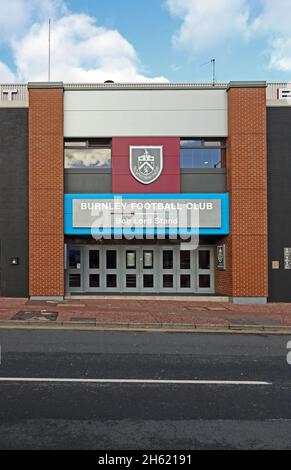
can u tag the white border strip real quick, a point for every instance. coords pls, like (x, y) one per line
(134, 381)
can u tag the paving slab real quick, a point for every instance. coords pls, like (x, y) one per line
(151, 311)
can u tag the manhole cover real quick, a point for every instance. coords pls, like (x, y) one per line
(36, 316)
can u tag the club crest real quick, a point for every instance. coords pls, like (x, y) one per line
(146, 163)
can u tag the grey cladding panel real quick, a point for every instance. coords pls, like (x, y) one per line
(206, 181)
(87, 182)
(14, 200)
(139, 113)
(279, 200)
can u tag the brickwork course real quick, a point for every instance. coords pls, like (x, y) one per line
(46, 190)
(246, 247)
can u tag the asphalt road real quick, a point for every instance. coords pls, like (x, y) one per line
(148, 414)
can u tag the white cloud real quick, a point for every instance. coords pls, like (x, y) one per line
(18, 15)
(6, 75)
(208, 23)
(280, 54)
(81, 50)
(274, 23)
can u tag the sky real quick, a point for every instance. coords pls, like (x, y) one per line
(145, 40)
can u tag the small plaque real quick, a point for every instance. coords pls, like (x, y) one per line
(221, 257)
(275, 264)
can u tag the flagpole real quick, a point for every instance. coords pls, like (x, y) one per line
(49, 52)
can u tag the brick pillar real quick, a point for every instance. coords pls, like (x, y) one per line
(246, 277)
(46, 190)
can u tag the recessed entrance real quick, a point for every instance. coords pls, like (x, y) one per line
(139, 269)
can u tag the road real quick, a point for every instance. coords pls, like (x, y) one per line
(126, 390)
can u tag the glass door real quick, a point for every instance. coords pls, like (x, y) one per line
(138, 269)
(205, 270)
(130, 269)
(149, 274)
(186, 272)
(75, 276)
(93, 269)
(111, 261)
(168, 265)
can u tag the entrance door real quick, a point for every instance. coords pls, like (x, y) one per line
(138, 269)
(168, 268)
(75, 282)
(186, 271)
(93, 269)
(112, 278)
(130, 269)
(205, 270)
(149, 269)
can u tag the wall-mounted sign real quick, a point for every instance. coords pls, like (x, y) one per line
(275, 264)
(284, 93)
(206, 214)
(287, 258)
(13, 94)
(124, 213)
(146, 163)
(9, 93)
(221, 257)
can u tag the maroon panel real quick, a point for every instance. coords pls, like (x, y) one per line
(122, 179)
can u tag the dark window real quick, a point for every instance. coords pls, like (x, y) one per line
(94, 259)
(185, 259)
(168, 281)
(111, 259)
(130, 281)
(168, 259)
(204, 259)
(94, 280)
(204, 281)
(88, 154)
(111, 280)
(148, 281)
(185, 281)
(74, 258)
(75, 280)
(201, 154)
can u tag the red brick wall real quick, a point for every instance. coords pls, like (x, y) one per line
(124, 182)
(247, 254)
(46, 170)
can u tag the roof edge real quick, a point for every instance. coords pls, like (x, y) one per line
(247, 84)
(36, 85)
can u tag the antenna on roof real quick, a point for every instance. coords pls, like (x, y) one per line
(49, 50)
(213, 62)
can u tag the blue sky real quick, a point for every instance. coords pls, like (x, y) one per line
(146, 40)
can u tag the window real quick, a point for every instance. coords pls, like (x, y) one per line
(202, 154)
(88, 153)
(111, 259)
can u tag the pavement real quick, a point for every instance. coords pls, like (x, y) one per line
(133, 390)
(139, 314)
